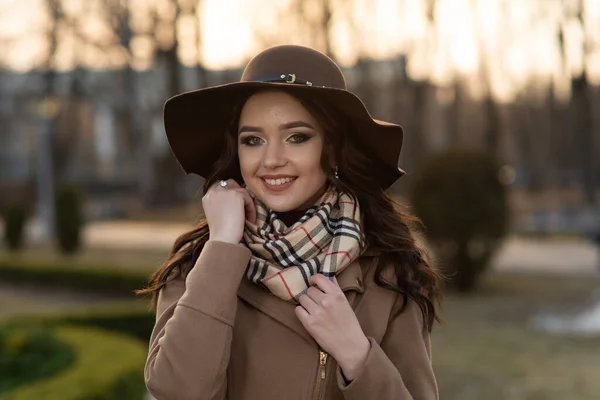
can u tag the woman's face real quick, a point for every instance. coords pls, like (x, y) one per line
(279, 146)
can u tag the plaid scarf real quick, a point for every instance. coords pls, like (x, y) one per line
(326, 239)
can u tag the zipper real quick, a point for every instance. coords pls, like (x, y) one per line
(321, 374)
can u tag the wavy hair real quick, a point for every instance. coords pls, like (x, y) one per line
(387, 229)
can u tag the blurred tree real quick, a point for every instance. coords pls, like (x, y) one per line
(15, 218)
(560, 142)
(168, 50)
(69, 218)
(167, 172)
(415, 139)
(56, 15)
(46, 111)
(418, 105)
(581, 102)
(454, 113)
(494, 121)
(118, 15)
(65, 126)
(583, 106)
(160, 176)
(311, 23)
(463, 204)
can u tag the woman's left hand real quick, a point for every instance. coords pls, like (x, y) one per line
(328, 317)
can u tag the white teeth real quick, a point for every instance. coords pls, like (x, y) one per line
(277, 182)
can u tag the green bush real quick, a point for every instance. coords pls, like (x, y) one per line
(69, 218)
(109, 280)
(28, 355)
(130, 318)
(108, 366)
(463, 204)
(15, 218)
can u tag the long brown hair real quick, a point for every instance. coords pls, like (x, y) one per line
(386, 228)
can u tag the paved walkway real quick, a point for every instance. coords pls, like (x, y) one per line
(535, 255)
(27, 299)
(562, 256)
(551, 255)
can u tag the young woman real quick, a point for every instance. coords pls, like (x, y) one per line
(303, 282)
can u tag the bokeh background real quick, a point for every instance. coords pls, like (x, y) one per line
(500, 101)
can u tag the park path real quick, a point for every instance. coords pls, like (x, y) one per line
(552, 255)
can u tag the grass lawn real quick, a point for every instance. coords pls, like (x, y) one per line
(148, 260)
(18, 300)
(486, 349)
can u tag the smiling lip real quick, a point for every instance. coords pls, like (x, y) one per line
(281, 187)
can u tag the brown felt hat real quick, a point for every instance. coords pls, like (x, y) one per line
(196, 121)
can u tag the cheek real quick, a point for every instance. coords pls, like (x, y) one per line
(311, 162)
(247, 162)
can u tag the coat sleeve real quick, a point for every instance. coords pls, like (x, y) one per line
(399, 369)
(191, 341)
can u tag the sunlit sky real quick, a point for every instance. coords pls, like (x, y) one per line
(509, 41)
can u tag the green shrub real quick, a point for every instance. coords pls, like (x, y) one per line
(130, 318)
(15, 218)
(28, 355)
(109, 280)
(108, 366)
(69, 218)
(136, 321)
(463, 204)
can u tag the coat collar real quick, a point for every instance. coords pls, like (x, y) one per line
(350, 279)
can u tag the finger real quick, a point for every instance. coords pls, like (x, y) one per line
(232, 184)
(309, 304)
(302, 314)
(249, 206)
(315, 294)
(323, 283)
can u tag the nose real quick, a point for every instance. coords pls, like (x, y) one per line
(274, 156)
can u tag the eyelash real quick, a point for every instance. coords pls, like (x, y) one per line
(247, 141)
(301, 138)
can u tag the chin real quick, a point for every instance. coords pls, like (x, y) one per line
(280, 205)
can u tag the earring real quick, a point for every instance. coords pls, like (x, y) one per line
(336, 173)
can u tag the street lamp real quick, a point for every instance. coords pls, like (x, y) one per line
(46, 111)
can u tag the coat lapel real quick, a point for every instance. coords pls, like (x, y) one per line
(350, 281)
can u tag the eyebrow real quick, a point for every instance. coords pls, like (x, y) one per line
(289, 125)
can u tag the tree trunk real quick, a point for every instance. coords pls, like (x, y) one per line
(466, 272)
(583, 125)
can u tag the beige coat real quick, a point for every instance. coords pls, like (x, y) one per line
(218, 336)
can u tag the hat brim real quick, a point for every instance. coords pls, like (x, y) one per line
(195, 124)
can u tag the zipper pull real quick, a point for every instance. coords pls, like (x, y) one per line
(323, 358)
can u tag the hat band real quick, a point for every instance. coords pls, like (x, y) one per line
(287, 78)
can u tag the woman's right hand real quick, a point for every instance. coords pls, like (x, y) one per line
(226, 210)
